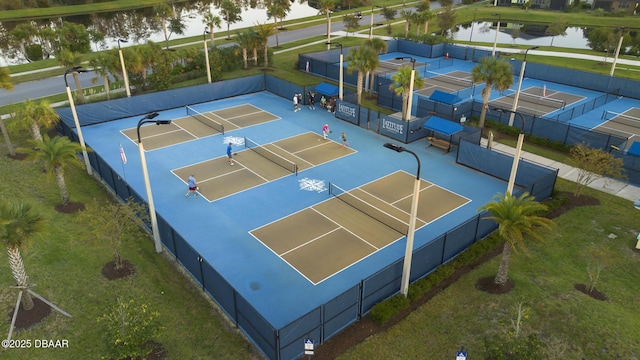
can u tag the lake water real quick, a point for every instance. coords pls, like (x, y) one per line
(482, 32)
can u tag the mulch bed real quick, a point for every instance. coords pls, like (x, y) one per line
(18, 156)
(28, 319)
(365, 327)
(110, 272)
(69, 208)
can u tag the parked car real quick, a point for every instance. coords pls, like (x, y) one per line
(357, 15)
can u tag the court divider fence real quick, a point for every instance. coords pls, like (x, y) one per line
(330, 318)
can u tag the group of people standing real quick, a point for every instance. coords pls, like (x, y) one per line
(328, 104)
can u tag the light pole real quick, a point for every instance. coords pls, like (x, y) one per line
(517, 96)
(145, 173)
(407, 116)
(206, 54)
(124, 70)
(516, 157)
(615, 58)
(340, 83)
(75, 117)
(371, 26)
(471, 32)
(495, 42)
(408, 252)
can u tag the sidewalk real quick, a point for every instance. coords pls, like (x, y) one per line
(610, 186)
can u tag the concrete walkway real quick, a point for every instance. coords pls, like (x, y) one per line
(610, 186)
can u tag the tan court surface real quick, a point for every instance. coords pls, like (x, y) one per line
(328, 237)
(624, 125)
(217, 179)
(537, 101)
(188, 128)
(445, 82)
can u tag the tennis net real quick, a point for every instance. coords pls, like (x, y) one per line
(366, 208)
(271, 156)
(542, 100)
(454, 80)
(205, 119)
(621, 118)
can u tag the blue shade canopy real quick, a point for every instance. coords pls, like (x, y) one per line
(326, 89)
(442, 126)
(443, 97)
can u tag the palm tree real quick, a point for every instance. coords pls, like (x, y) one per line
(103, 64)
(244, 41)
(163, 12)
(427, 16)
(263, 31)
(212, 21)
(516, 216)
(230, 14)
(325, 7)
(277, 10)
(401, 86)
(363, 59)
(407, 15)
(19, 223)
(379, 46)
(56, 152)
(255, 42)
(69, 59)
(32, 116)
(494, 73)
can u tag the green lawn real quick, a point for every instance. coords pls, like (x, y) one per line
(65, 266)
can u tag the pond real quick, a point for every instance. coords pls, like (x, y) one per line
(532, 35)
(140, 25)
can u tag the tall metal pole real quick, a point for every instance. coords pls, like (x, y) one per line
(125, 76)
(85, 155)
(495, 42)
(517, 96)
(341, 82)
(371, 26)
(408, 252)
(516, 157)
(206, 53)
(145, 173)
(615, 58)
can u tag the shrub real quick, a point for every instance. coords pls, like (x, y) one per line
(129, 328)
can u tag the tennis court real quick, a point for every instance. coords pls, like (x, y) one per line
(390, 66)
(536, 100)
(625, 124)
(451, 82)
(259, 164)
(326, 238)
(197, 124)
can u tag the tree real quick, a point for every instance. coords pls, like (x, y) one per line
(402, 83)
(427, 15)
(115, 222)
(73, 37)
(593, 164)
(494, 73)
(379, 46)
(351, 23)
(263, 31)
(32, 116)
(278, 10)
(389, 14)
(69, 59)
(19, 224)
(362, 59)
(407, 15)
(230, 14)
(56, 152)
(163, 12)
(5, 78)
(244, 42)
(326, 6)
(516, 217)
(103, 64)
(212, 21)
(446, 19)
(558, 27)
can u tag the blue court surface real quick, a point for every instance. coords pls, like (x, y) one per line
(220, 230)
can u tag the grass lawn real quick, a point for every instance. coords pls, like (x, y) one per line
(571, 324)
(65, 264)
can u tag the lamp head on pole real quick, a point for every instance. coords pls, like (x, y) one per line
(335, 44)
(204, 34)
(152, 115)
(71, 70)
(119, 41)
(413, 60)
